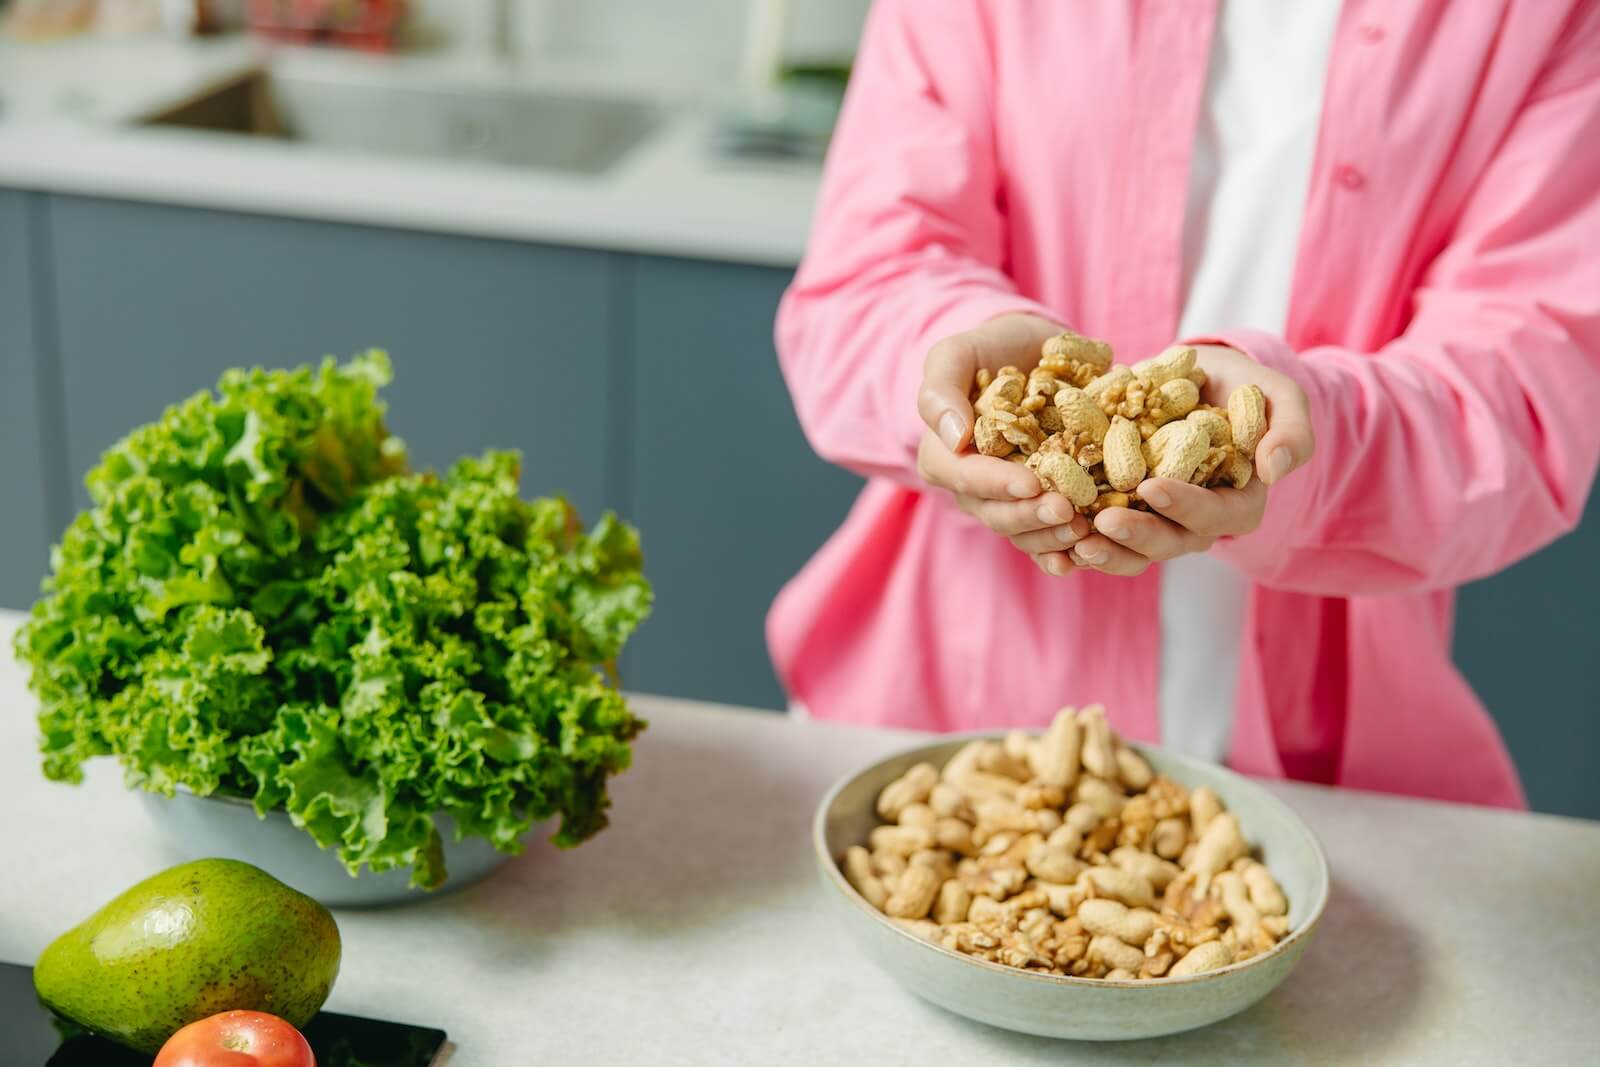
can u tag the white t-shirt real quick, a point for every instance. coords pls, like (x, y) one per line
(1248, 178)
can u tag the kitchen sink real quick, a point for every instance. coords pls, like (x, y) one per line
(583, 134)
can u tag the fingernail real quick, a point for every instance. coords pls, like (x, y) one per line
(1066, 535)
(1092, 554)
(1054, 565)
(1114, 531)
(1278, 464)
(1022, 488)
(1156, 496)
(950, 428)
(1049, 516)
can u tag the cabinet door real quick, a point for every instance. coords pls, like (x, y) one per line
(1527, 639)
(495, 344)
(730, 498)
(28, 519)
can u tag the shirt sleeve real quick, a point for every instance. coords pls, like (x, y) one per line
(907, 244)
(1472, 439)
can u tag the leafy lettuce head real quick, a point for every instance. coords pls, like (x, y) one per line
(263, 601)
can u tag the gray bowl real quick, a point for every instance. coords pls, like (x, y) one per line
(199, 827)
(1083, 1008)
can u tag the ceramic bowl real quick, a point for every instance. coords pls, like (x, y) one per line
(1082, 1008)
(199, 827)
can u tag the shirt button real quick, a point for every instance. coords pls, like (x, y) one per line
(1370, 33)
(1349, 177)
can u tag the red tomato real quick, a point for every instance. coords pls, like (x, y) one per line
(237, 1039)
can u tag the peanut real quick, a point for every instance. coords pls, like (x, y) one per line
(859, 873)
(1113, 952)
(1099, 750)
(912, 787)
(913, 896)
(1202, 958)
(1056, 757)
(952, 903)
(1220, 844)
(1179, 453)
(1052, 864)
(954, 834)
(949, 802)
(1060, 473)
(1169, 837)
(1236, 902)
(1171, 363)
(1263, 888)
(1132, 926)
(902, 840)
(1133, 770)
(1157, 871)
(1105, 798)
(1204, 805)
(994, 758)
(1134, 890)
(918, 814)
(1247, 417)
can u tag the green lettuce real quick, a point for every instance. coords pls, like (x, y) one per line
(263, 601)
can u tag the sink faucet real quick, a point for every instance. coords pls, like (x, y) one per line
(765, 27)
(502, 31)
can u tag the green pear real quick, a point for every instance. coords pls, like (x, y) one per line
(192, 941)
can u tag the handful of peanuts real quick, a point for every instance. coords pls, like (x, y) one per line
(1066, 854)
(1092, 431)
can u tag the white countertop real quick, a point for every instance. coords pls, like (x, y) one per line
(690, 932)
(65, 125)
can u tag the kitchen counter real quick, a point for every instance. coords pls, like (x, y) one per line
(66, 110)
(691, 933)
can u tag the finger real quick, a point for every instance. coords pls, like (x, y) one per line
(1100, 553)
(1010, 517)
(1208, 512)
(949, 368)
(1149, 535)
(947, 374)
(1055, 564)
(1289, 441)
(973, 475)
(1052, 538)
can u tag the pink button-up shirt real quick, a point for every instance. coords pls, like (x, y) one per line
(1031, 155)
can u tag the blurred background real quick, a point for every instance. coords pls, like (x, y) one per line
(570, 222)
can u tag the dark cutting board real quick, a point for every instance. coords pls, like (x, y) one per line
(35, 1038)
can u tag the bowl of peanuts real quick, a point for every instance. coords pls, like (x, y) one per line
(1070, 884)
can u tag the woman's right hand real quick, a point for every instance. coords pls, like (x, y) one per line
(1004, 496)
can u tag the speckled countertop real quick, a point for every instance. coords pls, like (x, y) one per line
(67, 112)
(691, 932)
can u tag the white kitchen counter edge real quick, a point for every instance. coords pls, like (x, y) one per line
(668, 196)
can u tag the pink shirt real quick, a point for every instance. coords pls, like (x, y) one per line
(1005, 155)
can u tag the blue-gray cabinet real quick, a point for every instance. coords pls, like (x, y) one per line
(29, 516)
(1527, 639)
(731, 498)
(495, 343)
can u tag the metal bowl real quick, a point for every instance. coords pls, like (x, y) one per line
(198, 827)
(1082, 1008)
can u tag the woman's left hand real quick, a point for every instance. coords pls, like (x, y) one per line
(1188, 518)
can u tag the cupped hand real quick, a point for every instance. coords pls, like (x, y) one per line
(1004, 496)
(1189, 518)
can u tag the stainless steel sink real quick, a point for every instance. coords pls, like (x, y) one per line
(517, 127)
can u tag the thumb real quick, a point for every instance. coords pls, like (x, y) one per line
(1289, 441)
(948, 372)
(942, 400)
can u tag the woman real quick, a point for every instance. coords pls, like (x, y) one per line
(1386, 216)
